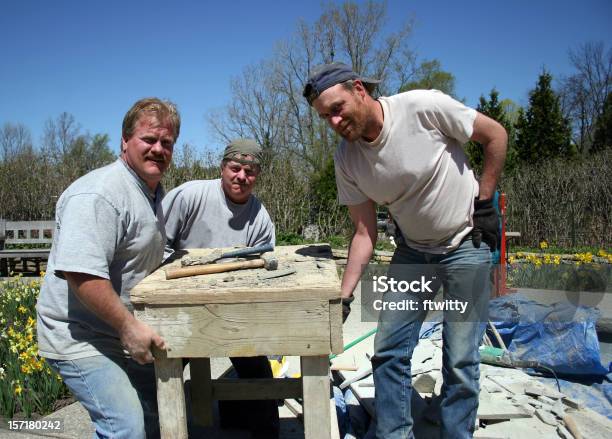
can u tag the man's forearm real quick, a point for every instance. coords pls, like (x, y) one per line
(99, 296)
(360, 253)
(494, 157)
(494, 139)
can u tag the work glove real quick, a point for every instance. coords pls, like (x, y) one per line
(346, 307)
(486, 225)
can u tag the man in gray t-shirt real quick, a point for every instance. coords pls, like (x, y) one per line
(225, 213)
(110, 235)
(406, 152)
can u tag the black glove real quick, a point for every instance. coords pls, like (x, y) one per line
(486, 225)
(346, 307)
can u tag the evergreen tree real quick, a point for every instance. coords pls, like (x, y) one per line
(542, 131)
(602, 137)
(494, 108)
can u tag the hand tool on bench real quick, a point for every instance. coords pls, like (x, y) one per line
(268, 262)
(217, 254)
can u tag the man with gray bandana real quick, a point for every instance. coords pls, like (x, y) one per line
(406, 152)
(224, 213)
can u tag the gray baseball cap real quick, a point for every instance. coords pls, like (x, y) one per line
(325, 76)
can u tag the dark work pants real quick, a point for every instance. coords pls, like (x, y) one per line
(261, 416)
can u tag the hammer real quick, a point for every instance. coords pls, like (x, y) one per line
(217, 254)
(268, 262)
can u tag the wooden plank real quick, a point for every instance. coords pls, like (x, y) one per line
(315, 381)
(202, 295)
(243, 330)
(335, 429)
(201, 391)
(335, 326)
(256, 388)
(170, 396)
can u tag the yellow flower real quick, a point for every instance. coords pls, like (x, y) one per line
(18, 389)
(543, 244)
(26, 369)
(557, 260)
(602, 253)
(511, 260)
(31, 321)
(22, 309)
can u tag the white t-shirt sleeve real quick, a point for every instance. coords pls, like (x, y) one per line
(349, 193)
(88, 236)
(450, 116)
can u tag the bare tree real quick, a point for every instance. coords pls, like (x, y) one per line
(583, 94)
(14, 140)
(267, 101)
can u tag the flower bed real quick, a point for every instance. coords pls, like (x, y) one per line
(28, 386)
(568, 272)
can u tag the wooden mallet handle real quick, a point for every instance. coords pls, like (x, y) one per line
(197, 270)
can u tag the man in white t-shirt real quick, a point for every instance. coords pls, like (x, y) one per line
(405, 152)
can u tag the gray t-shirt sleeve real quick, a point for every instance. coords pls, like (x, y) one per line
(175, 216)
(89, 233)
(267, 233)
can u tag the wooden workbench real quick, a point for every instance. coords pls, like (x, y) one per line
(241, 314)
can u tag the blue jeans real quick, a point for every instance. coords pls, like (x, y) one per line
(119, 394)
(464, 275)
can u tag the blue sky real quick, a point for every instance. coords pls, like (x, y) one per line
(93, 59)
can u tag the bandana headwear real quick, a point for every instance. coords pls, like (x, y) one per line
(239, 149)
(325, 76)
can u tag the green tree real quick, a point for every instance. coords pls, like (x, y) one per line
(429, 75)
(542, 131)
(495, 109)
(602, 137)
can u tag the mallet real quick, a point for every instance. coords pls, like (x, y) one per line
(268, 262)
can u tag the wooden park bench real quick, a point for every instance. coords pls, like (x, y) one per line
(24, 232)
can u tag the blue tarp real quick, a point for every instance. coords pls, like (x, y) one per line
(561, 336)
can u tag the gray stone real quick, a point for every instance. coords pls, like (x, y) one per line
(537, 389)
(546, 417)
(558, 410)
(563, 433)
(496, 407)
(528, 409)
(424, 383)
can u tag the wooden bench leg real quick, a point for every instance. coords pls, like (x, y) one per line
(201, 391)
(170, 396)
(316, 390)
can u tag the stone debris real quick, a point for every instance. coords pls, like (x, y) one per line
(563, 433)
(558, 410)
(424, 383)
(536, 389)
(511, 404)
(496, 407)
(491, 387)
(528, 409)
(571, 403)
(546, 417)
(546, 400)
